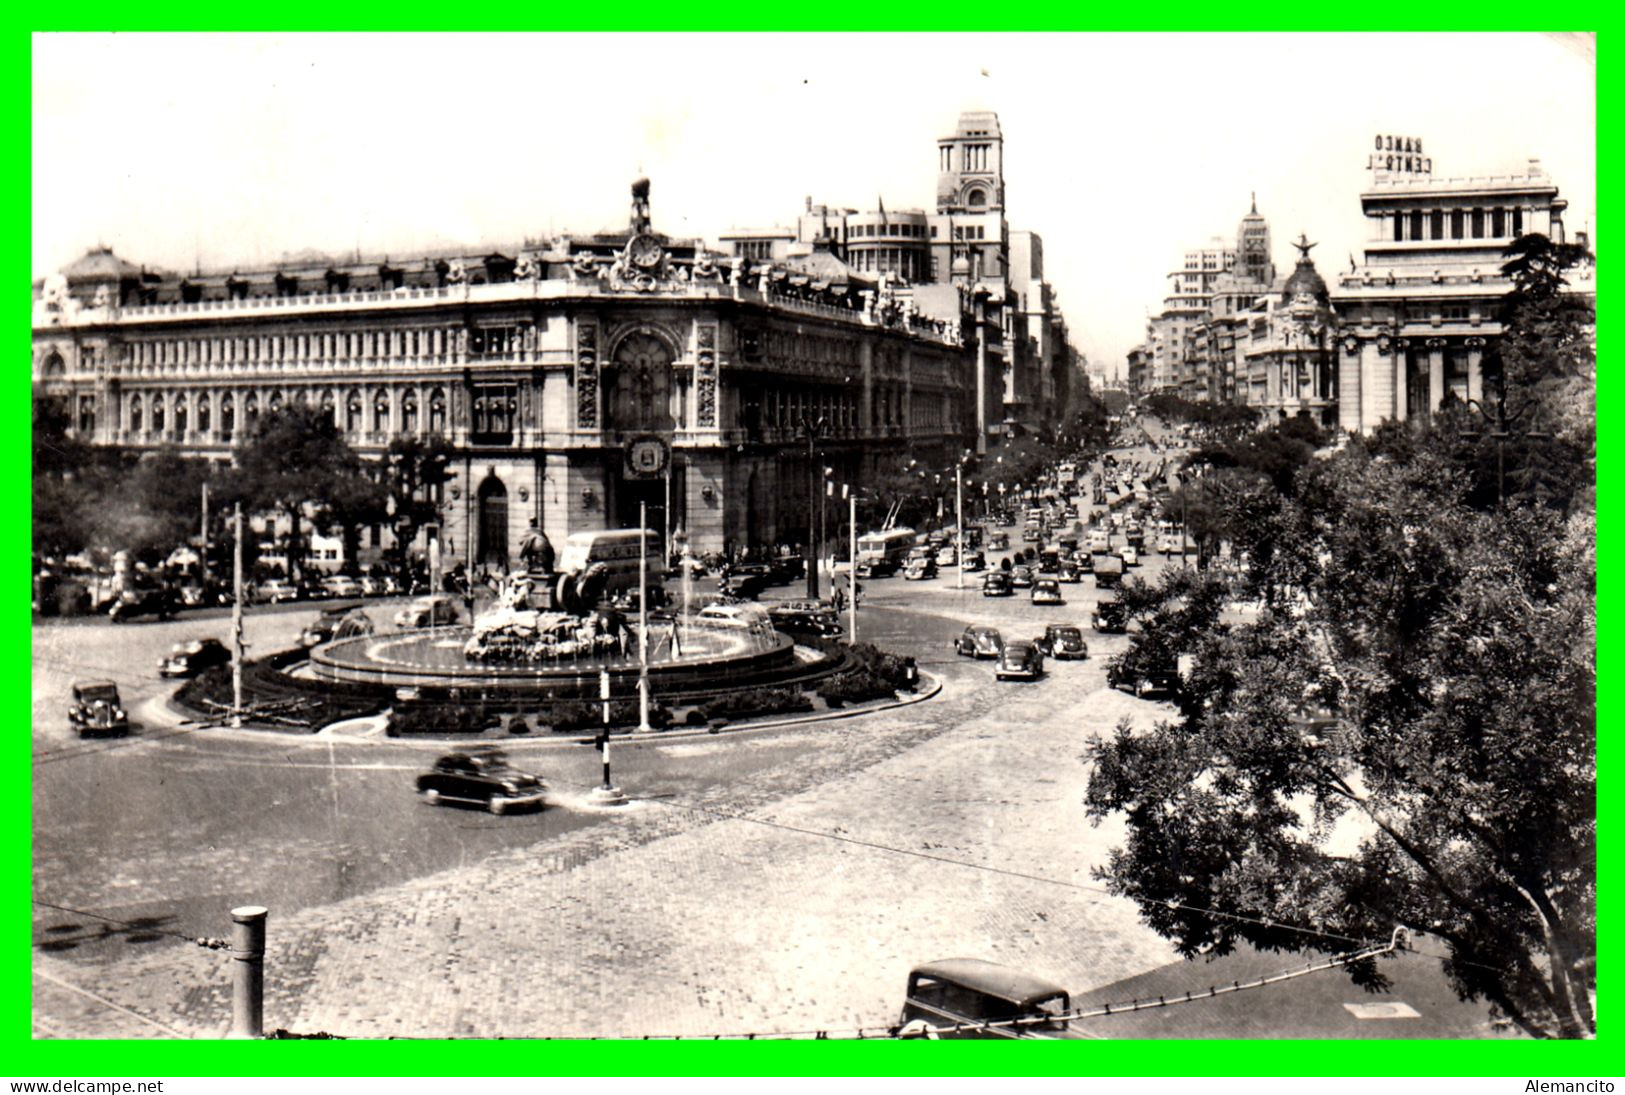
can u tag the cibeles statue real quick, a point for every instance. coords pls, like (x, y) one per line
(536, 550)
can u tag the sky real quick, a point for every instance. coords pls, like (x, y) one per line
(1122, 151)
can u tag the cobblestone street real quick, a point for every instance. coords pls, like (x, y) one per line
(796, 898)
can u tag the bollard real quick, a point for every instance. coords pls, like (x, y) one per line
(248, 971)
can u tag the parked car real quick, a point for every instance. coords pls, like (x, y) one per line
(951, 997)
(1021, 577)
(1158, 680)
(274, 591)
(337, 622)
(1047, 591)
(162, 602)
(741, 615)
(787, 568)
(433, 611)
(996, 583)
(339, 585)
(1062, 641)
(979, 641)
(805, 617)
(480, 779)
(188, 659)
(920, 568)
(95, 708)
(1019, 661)
(747, 586)
(378, 586)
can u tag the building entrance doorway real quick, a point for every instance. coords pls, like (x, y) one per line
(493, 524)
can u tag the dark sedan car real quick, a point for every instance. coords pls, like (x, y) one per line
(1144, 680)
(876, 568)
(979, 641)
(480, 779)
(1021, 577)
(1110, 617)
(188, 659)
(1062, 641)
(997, 584)
(96, 709)
(1020, 661)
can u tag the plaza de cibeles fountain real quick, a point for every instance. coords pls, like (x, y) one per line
(546, 635)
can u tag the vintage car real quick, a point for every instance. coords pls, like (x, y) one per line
(275, 591)
(337, 622)
(1047, 591)
(1110, 617)
(1021, 577)
(996, 583)
(876, 568)
(979, 641)
(162, 603)
(480, 779)
(188, 659)
(338, 585)
(1069, 572)
(973, 998)
(96, 709)
(433, 611)
(1062, 641)
(805, 617)
(1144, 680)
(1019, 661)
(920, 568)
(1131, 556)
(999, 541)
(975, 560)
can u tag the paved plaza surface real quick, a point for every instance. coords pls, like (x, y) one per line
(763, 881)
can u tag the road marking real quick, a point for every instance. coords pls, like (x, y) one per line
(1396, 1010)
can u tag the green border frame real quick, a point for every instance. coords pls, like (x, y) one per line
(135, 1059)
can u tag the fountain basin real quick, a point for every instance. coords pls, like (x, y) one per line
(714, 655)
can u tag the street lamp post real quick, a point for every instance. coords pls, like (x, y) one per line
(812, 427)
(959, 522)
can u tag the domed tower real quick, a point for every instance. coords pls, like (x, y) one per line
(1253, 259)
(1305, 290)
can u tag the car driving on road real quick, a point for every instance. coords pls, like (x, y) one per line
(1047, 591)
(480, 779)
(1019, 661)
(95, 708)
(996, 583)
(979, 641)
(188, 659)
(1063, 642)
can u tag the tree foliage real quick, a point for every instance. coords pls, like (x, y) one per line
(1405, 734)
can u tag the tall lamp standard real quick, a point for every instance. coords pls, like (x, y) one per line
(812, 429)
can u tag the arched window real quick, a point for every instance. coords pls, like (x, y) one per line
(53, 366)
(976, 199)
(228, 416)
(409, 412)
(380, 411)
(274, 404)
(437, 411)
(637, 392)
(204, 414)
(251, 408)
(353, 421)
(180, 417)
(135, 414)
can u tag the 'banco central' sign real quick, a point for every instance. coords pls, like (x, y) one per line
(1400, 154)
